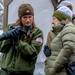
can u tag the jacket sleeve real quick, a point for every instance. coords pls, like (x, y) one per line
(32, 49)
(5, 44)
(68, 47)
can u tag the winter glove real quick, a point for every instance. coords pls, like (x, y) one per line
(70, 68)
(17, 32)
(47, 51)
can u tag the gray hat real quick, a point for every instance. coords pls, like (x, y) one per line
(65, 3)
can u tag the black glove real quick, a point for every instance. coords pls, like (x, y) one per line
(70, 68)
(17, 32)
(47, 51)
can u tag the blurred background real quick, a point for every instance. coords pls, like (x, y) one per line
(1, 14)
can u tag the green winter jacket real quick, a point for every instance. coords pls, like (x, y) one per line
(62, 51)
(22, 56)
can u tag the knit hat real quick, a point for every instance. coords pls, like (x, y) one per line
(63, 13)
(25, 9)
(65, 3)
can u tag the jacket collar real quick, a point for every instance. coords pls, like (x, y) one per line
(56, 29)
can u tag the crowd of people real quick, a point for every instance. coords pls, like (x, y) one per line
(22, 41)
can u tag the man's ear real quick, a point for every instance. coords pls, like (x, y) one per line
(63, 22)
